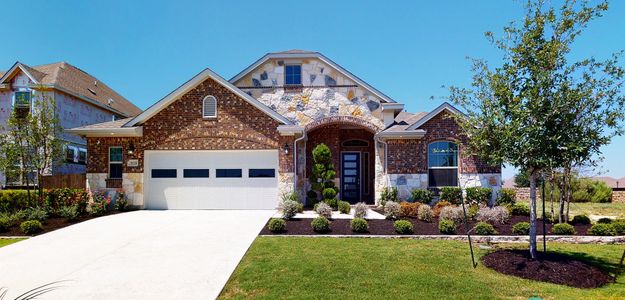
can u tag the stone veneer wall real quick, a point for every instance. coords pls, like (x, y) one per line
(618, 196)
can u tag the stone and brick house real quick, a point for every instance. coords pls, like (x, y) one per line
(81, 99)
(241, 143)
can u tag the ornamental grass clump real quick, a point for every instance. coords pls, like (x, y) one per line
(36, 213)
(436, 210)
(453, 213)
(276, 225)
(403, 227)
(320, 224)
(424, 213)
(408, 209)
(324, 210)
(289, 209)
(359, 225)
(497, 214)
(71, 213)
(360, 210)
(391, 210)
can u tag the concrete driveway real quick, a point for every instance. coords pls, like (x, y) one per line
(136, 255)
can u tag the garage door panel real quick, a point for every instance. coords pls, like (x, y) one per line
(212, 192)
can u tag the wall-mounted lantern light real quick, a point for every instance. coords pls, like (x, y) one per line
(286, 148)
(131, 149)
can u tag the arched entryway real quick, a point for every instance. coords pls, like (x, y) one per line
(353, 151)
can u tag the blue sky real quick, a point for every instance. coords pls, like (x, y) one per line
(407, 49)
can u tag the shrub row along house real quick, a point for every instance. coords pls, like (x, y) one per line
(240, 143)
(80, 98)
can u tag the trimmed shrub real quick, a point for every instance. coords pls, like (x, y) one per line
(290, 196)
(36, 213)
(333, 203)
(491, 215)
(324, 210)
(421, 195)
(602, 230)
(344, 207)
(479, 195)
(14, 200)
(447, 226)
(604, 221)
(424, 213)
(329, 193)
(4, 223)
(521, 228)
(436, 210)
(563, 229)
(403, 227)
(391, 210)
(451, 194)
(359, 225)
(100, 204)
(619, 226)
(472, 211)
(580, 220)
(388, 194)
(453, 213)
(289, 209)
(483, 228)
(408, 209)
(520, 209)
(360, 210)
(277, 224)
(506, 197)
(320, 224)
(31, 226)
(70, 213)
(121, 203)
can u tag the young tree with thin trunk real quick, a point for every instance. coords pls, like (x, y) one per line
(537, 111)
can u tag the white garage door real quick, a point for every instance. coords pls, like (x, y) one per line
(246, 179)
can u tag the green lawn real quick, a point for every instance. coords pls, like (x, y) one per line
(361, 268)
(588, 208)
(4, 242)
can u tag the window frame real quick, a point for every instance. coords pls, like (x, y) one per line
(286, 75)
(456, 167)
(207, 98)
(82, 150)
(74, 151)
(120, 162)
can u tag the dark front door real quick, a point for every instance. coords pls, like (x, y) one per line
(350, 176)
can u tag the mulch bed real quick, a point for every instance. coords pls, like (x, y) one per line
(53, 223)
(548, 267)
(385, 227)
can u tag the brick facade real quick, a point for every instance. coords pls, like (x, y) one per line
(410, 156)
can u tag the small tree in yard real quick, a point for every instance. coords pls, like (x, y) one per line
(323, 174)
(538, 111)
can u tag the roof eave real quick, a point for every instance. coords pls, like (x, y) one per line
(18, 65)
(290, 130)
(84, 98)
(445, 106)
(401, 135)
(107, 132)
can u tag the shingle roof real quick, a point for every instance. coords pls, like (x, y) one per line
(76, 81)
(106, 125)
(403, 120)
(294, 51)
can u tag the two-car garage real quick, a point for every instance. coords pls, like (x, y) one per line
(188, 179)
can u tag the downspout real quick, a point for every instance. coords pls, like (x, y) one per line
(295, 159)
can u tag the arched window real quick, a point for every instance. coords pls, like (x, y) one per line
(443, 164)
(355, 143)
(209, 107)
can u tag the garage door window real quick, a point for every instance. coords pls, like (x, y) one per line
(262, 173)
(228, 173)
(115, 162)
(195, 173)
(164, 173)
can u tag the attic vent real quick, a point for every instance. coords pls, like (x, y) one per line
(110, 101)
(209, 107)
(92, 91)
(95, 82)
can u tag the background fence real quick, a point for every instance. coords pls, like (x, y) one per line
(75, 181)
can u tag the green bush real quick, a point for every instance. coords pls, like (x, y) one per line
(580, 220)
(320, 224)
(601, 193)
(359, 225)
(344, 207)
(57, 198)
(447, 226)
(479, 195)
(4, 223)
(69, 212)
(483, 228)
(333, 203)
(506, 197)
(472, 211)
(421, 195)
(312, 197)
(36, 213)
(588, 190)
(329, 193)
(121, 204)
(521, 228)
(424, 213)
(563, 229)
(604, 221)
(276, 225)
(519, 209)
(451, 194)
(388, 194)
(619, 226)
(403, 227)
(32, 226)
(602, 230)
(14, 200)
(289, 209)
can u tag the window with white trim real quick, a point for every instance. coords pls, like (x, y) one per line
(209, 107)
(70, 154)
(82, 156)
(443, 164)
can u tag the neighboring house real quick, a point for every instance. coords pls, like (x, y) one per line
(81, 100)
(214, 143)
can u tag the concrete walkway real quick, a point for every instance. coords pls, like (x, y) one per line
(136, 255)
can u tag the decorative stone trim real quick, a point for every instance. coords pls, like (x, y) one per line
(347, 120)
(405, 183)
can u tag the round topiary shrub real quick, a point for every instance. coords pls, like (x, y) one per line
(604, 221)
(521, 228)
(619, 226)
(32, 226)
(359, 225)
(276, 225)
(602, 230)
(403, 227)
(581, 220)
(483, 228)
(344, 207)
(520, 209)
(447, 226)
(320, 224)
(563, 229)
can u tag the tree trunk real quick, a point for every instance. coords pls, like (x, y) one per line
(569, 192)
(533, 213)
(551, 185)
(562, 192)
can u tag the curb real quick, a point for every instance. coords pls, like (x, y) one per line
(15, 237)
(583, 239)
